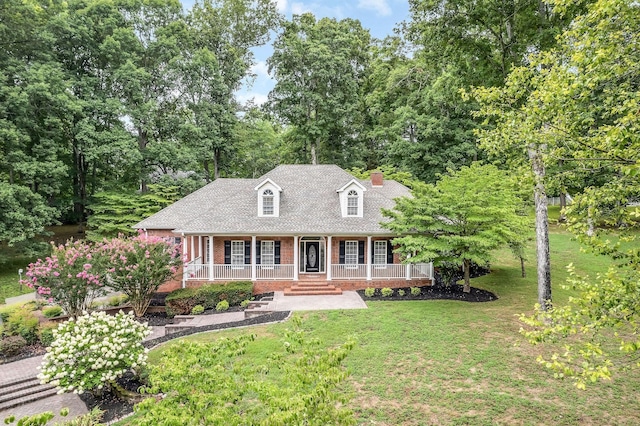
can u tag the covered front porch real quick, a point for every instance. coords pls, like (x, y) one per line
(296, 258)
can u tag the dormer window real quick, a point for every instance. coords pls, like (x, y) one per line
(267, 202)
(352, 199)
(352, 203)
(268, 197)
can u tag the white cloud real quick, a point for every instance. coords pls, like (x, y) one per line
(260, 69)
(379, 6)
(257, 98)
(318, 9)
(281, 5)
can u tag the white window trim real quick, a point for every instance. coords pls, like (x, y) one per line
(268, 185)
(348, 255)
(380, 245)
(353, 195)
(267, 194)
(344, 192)
(235, 256)
(263, 244)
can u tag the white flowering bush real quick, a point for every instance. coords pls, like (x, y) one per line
(92, 352)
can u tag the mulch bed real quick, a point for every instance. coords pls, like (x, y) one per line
(452, 292)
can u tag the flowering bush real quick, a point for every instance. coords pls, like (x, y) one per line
(93, 351)
(70, 276)
(138, 266)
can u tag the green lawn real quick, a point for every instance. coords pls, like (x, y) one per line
(9, 278)
(455, 363)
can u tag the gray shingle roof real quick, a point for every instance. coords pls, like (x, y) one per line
(309, 205)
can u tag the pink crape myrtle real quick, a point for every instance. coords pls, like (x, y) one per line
(72, 276)
(137, 266)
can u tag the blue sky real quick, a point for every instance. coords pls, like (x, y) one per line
(379, 16)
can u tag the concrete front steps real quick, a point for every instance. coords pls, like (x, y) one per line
(22, 391)
(312, 288)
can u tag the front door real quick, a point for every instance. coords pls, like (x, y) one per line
(313, 256)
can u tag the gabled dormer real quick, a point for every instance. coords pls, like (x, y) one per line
(352, 199)
(268, 198)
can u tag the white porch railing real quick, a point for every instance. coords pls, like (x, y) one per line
(348, 272)
(388, 272)
(274, 272)
(232, 272)
(422, 270)
(196, 270)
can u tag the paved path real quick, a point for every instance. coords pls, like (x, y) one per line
(29, 367)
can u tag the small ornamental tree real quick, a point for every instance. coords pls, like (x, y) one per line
(71, 276)
(138, 266)
(91, 353)
(460, 220)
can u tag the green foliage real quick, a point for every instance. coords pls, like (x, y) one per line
(415, 291)
(12, 345)
(7, 310)
(401, 292)
(117, 300)
(215, 383)
(223, 305)
(197, 310)
(23, 213)
(138, 266)
(93, 351)
(45, 333)
(22, 322)
(460, 220)
(92, 418)
(386, 292)
(245, 303)
(182, 301)
(369, 291)
(52, 311)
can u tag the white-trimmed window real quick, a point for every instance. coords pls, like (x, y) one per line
(267, 253)
(351, 254)
(267, 203)
(237, 253)
(352, 203)
(380, 253)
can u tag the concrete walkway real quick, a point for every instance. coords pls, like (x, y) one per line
(29, 367)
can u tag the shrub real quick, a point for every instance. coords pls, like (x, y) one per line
(401, 292)
(22, 322)
(139, 266)
(45, 333)
(12, 345)
(222, 305)
(415, 291)
(72, 276)
(52, 311)
(245, 303)
(386, 292)
(197, 310)
(182, 301)
(93, 352)
(369, 291)
(5, 311)
(114, 301)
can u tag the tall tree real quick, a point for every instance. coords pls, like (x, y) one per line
(460, 220)
(318, 67)
(581, 102)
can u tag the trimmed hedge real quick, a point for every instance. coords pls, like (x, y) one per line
(182, 301)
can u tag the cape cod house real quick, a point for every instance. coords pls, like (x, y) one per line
(302, 229)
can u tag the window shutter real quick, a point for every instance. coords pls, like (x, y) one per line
(227, 252)
(276, 252)
(341, 253)
(258, 249)
(371, 250)
(247, 252)
(389, 253)
(361, 252)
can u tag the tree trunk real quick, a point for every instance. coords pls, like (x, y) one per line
(524, 272)
(467, 275)
(542, 229)
(142, 147)
(563, 205)
(314, 159)
(216, 163)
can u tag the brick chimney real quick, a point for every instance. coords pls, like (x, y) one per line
(377, 179)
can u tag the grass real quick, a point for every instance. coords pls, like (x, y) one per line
(455, 363)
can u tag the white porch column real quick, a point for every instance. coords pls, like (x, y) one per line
(368, 257)
(184, 257)
(296, 266)
(253, 258)
(210, 257)
(329, 258)
(202, 259)
(192, 250)
(408, 270)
